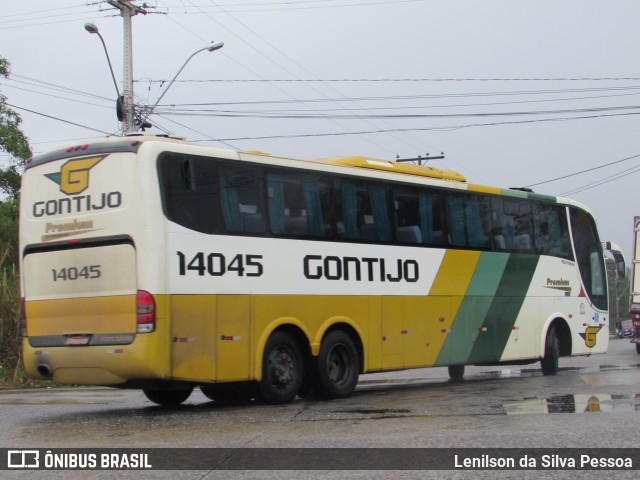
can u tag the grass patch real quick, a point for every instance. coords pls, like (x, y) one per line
(11, 370)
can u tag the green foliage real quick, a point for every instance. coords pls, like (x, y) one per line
(10, 360)
(14, 142)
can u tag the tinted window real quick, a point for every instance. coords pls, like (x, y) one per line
(299, 204)
(589, 257)
(362, 211)
(191, 192)
(418, 216)
(219, 196)
(209, 196)
(468, 220)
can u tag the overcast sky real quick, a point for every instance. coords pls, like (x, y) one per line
(515, 93)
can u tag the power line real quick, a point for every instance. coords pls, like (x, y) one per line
(418, 129)
(316, 116)
(37, 12)
(396, 80)
(411, 97)
(584, 171)
(54, 96)
(287, 8)
(268, 57)
(59, 119)
(54, 86)
(604, 181)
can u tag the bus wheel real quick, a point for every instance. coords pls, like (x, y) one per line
(282, 369)
(456, 373)
(638, 348)
(549, 362)
(227, 392)
(168, 398)
(338, 365)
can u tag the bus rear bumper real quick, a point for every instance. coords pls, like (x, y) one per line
(100, 365)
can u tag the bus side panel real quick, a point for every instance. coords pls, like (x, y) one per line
(233, 338)
(193, 330)
(474, 308)
(424, 329)
(392, 320)
(504, 310)
(452, 283)
(211, 337)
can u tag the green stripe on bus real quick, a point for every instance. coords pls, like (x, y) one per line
(503, 312)
(477, 301)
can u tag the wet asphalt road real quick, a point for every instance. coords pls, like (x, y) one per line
(592, 402)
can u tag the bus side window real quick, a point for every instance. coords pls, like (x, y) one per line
(468, 220)
(297, 204)
(379, 213)
(550, 231)
(503, 224)
(190, 192)
(241, 199)
(418, 218)
(362, 211)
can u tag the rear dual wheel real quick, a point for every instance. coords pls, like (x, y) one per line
(334, 374)
(338, 365)
(282, 369)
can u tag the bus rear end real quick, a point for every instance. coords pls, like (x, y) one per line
(85, 320)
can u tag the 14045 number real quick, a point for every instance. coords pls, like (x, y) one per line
(217, 264)
(76, 273)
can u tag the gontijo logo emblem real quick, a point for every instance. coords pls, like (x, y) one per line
(73, 177)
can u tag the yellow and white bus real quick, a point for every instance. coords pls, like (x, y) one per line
(153, 263)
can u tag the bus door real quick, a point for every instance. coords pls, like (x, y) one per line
(594, 298)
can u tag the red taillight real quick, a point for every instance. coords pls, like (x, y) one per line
(23, 318)
(77, 147)
(146, 312)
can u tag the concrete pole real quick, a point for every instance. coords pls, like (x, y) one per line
(127, 10)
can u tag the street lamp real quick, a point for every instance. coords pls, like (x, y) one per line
(211, 48)
(92, 28)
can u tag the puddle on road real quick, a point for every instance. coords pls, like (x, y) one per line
(60, 396)
(375, 412)
(574, 403)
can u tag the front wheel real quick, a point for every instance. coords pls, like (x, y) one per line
(282, 369)
(168, 398)
(456, 373)
(338, 365)
(549, 362)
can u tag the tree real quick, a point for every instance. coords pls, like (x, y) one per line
(15, 143)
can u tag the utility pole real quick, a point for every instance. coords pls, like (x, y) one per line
(420, 158)
(127, 10)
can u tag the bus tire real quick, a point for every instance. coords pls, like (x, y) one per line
(638, 348)
(338, 365)
(549, 361)
(456, 373)
(282, 369)
(168, 398)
